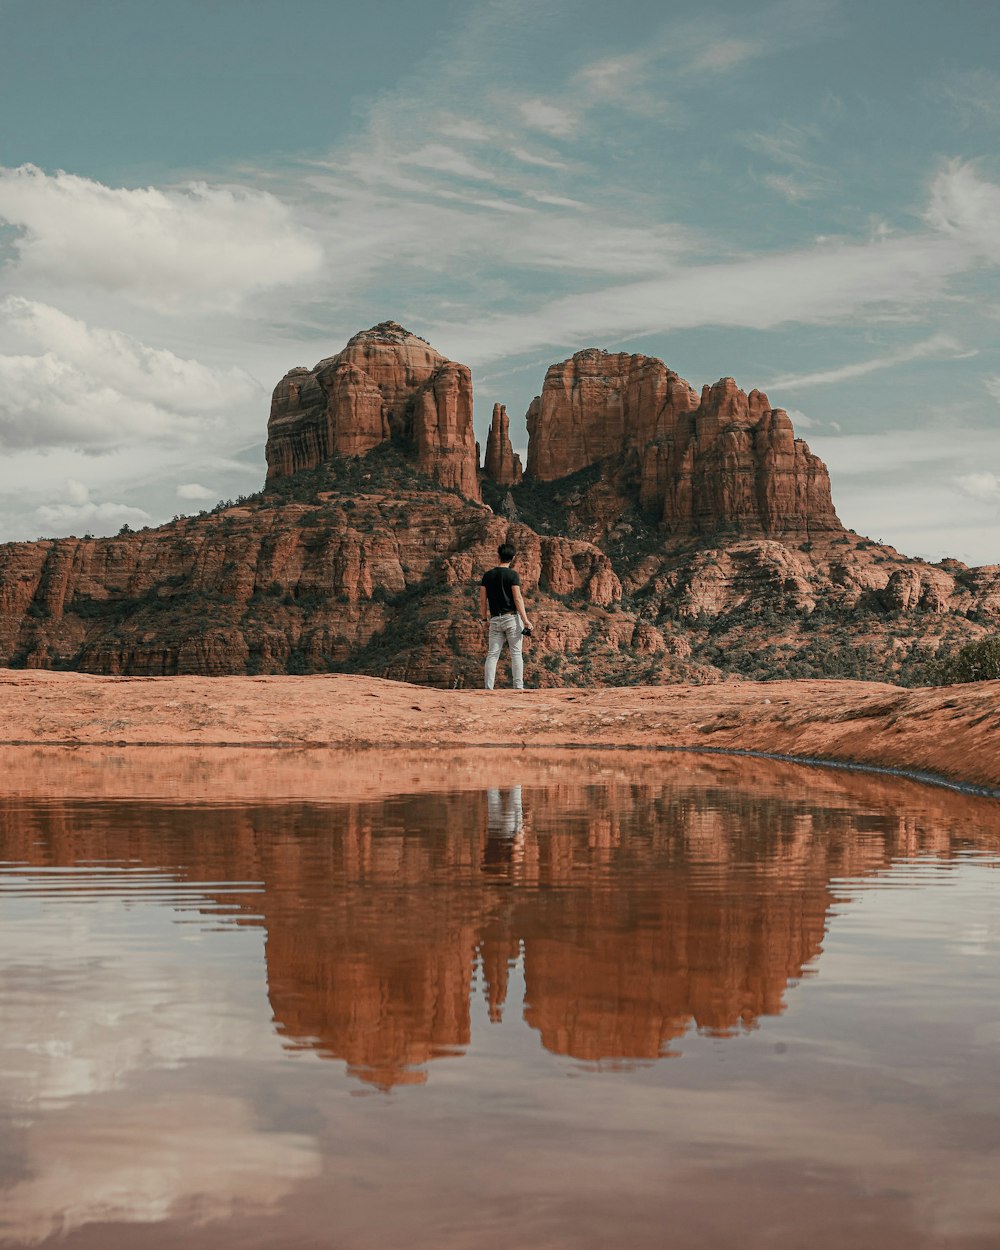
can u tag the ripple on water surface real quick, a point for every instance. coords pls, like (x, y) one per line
(571, 1001)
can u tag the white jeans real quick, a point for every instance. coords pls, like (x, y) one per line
(504, 813)
(501, 627)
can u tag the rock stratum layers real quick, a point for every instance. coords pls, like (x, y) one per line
(724, 460)
(387, 384)
(662, 535)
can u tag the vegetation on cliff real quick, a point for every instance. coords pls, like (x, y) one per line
(975, 661)
(669, 538)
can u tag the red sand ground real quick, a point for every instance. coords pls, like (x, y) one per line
(951, 731)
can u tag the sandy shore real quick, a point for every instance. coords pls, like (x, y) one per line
(951, 732)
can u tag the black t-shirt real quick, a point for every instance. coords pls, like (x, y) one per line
(499, 583)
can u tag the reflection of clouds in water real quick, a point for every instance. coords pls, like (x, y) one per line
(859, 1136)
(116, 991)
(113, 990)
(201, 1156)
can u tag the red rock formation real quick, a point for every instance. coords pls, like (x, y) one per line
(362, 568)
(264, 589)
(597, 405)
(502, 464)
(385, 384)
(726, 462)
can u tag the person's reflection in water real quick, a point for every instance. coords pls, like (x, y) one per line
(504, 829)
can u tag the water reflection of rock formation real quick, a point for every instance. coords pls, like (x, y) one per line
(641, 911)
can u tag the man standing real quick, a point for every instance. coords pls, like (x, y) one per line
(501, 603)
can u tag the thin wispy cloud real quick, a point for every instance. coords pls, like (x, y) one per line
(797, 176)
(972, 95)
(549, 118)
(826, 284)
(448, 160)
(938, 346)
(532, 185)
(532, 158)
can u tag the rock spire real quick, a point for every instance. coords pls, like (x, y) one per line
(502, 463)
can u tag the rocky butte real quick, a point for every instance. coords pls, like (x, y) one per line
(663, 535)
(724, 460)
(386, 385)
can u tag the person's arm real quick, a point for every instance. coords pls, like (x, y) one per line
(484, 607)
(521, 609)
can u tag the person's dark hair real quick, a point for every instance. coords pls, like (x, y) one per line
(506, 552)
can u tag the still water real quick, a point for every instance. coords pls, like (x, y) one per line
(578, 1001)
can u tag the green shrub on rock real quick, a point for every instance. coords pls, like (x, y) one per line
(976, 661)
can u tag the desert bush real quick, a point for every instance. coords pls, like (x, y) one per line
(976, 661)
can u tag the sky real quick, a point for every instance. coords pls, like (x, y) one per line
(196, 197)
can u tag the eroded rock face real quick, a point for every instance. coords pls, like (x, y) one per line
(701, 545)
(725, 461)
(598, 404)
(385, 384)
(298, 588)
(502, 464)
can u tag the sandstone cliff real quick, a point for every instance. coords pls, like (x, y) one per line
(387, 384)
(275, 586)
(662, 536)
(723, 462)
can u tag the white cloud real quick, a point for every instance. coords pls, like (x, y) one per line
(613, 75)
(992, 384)
(550, 118)
(447, 160)
(96, 388)
(79, 513)
(382, 222)
(936, 346)
(967, 207)
(824, 284)
(558, 201)
(209, 1157)
(160, 247)
(84, 1081)
(532, 158)
(47, 402)
(944, 451)
(466, 128)
(194, 490)
(132, 367)
(911, 487)
(801, 421)
(984, 486)
(727, 54)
